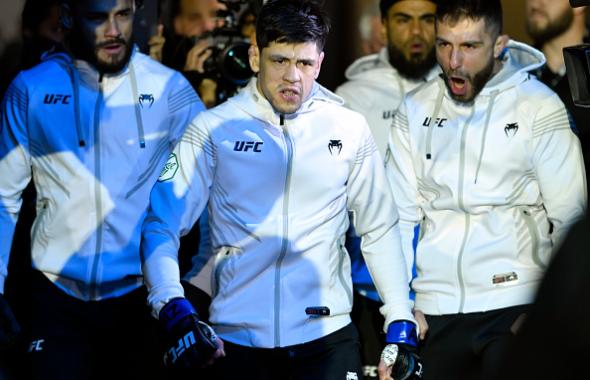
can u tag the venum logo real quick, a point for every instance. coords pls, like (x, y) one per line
(244, 146)
(170, 169)
(335, 147)
(439, 122)
(57, 98)
(510, 129)
(146, 99)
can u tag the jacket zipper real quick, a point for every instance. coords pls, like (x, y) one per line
(285, 240)
(467, 215)
(532, 227)
(97, 192)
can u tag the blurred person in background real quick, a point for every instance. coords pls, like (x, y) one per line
(553, 25)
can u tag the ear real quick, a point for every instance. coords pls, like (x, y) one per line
(319, 65)
(254, 58)
(500, 44)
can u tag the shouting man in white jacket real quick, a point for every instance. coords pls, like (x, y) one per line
(279, 166)
(485, 160)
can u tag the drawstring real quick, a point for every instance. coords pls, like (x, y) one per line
(485, 132)
(75, 79)
(138, 118)
(439, 101)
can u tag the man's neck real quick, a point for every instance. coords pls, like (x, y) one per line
(553, 49)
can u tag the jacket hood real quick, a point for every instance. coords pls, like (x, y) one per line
(370, 63)
(251, 101)
(518, 59)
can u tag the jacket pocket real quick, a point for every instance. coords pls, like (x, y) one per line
(225, 266)
(39, 229)
(532, 227)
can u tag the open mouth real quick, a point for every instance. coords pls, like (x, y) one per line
(289, 94)
(458, 85)
(416, 48)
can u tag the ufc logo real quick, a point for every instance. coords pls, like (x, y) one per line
(244, 146)
(183, 343)
(36, 345)
(438, 122)
(56, 98)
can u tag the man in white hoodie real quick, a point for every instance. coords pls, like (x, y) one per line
(376, 86)
(92, 126)
(279, 166)
(485, 160)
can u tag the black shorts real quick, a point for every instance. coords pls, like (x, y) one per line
(333, 357)
(72, 339)
(468, 346)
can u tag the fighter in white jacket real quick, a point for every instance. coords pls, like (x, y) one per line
(279, 165)
(93, 136)
(491, 170)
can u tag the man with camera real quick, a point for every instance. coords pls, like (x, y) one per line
(279, 166)
(191, 40)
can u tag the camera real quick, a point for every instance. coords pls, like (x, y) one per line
(228, 64)
(577, 63)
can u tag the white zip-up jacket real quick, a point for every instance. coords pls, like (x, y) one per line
(376, 89)
(94, 147)
(278, 190)
(494, 184)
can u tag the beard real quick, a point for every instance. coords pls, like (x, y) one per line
(83, 50)
(553, 28)
(477, 80)
(416, 67)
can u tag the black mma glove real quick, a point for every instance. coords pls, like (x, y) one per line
(9, 327)
(400, 352)
(192, 342)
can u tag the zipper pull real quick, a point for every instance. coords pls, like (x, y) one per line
(282, 119)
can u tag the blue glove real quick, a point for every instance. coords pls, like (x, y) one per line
(192, 342)
(9, 327)
(400, 352)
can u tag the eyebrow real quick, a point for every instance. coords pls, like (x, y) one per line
(469, 42)
(402, 14)
(277, 56)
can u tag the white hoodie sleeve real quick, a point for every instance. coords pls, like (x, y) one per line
(557, 158)
(15, 166)
(176, 202)
(402, 179)
(376, 221)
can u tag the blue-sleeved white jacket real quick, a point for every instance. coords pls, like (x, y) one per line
(94, 146)
(495, 185)
(278, 193)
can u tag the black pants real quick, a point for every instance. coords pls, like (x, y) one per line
(369, 321)
(333, 357)
(74, 339)
(468, 346)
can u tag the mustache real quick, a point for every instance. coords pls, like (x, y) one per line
(110, 42)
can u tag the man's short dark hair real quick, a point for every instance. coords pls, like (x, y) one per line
(291, 21)
(454, 10)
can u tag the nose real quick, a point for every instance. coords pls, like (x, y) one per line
(291, 73)
(416, 28)
(456, 59)
(113, 29)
